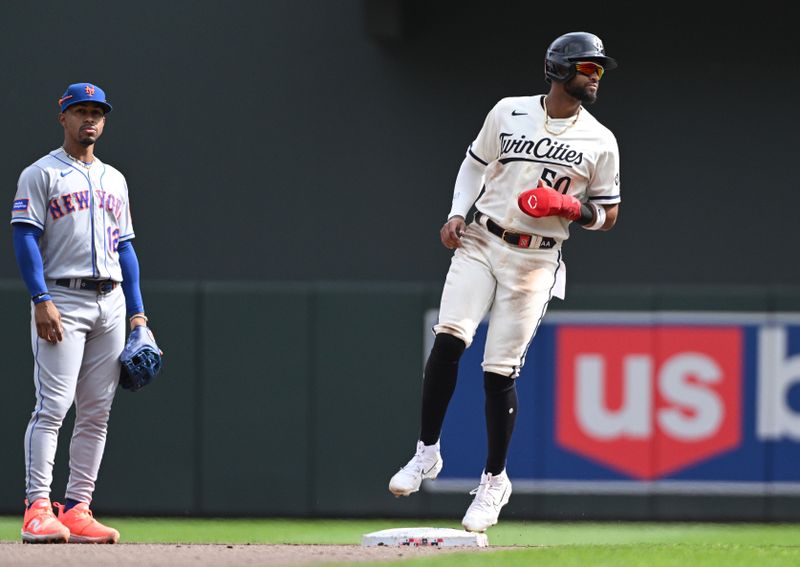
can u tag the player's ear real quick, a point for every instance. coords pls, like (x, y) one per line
(61, 118)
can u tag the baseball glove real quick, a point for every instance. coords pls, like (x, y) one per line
(141, 359)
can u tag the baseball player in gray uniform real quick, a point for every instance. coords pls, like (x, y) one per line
(538, 164)
(72, 235)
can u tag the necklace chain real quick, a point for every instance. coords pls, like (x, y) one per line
(565, 128)
(76, 160)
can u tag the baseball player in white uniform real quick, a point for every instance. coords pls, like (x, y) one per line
(538, 164)
(72, 235)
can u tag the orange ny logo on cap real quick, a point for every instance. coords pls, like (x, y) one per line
(89, 90)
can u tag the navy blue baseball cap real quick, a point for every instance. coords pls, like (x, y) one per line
(83, 92)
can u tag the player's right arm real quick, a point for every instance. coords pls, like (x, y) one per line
(467, 189)
(48, 322)
(28, 221)
(29, 260)
(469, 181)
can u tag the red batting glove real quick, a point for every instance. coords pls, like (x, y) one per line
(545, 202)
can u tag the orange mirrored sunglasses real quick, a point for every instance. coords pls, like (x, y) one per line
(589, 68)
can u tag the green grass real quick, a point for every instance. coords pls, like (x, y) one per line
(609, 544)
(644, 555)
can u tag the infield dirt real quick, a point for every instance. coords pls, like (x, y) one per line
(17, 554)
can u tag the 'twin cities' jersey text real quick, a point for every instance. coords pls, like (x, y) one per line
(517, 151)
(542, 148)
(83, 211)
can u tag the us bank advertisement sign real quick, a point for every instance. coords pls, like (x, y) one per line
(616, 402)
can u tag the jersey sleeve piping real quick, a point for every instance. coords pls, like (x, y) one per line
(606, 199)
(476, 158)
(27, 220)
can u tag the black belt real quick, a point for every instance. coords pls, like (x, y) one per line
(518, 239)
(100, 286)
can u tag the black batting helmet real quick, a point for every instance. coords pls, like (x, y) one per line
(570, 48)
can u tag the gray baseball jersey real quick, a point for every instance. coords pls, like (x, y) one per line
(71, 200)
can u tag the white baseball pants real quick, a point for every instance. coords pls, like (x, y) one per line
(513, 285)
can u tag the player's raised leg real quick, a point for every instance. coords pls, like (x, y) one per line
(438, 385)
(426, 464)
(465, 299)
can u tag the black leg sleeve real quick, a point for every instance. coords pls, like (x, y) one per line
(438, 385)
(501, 415)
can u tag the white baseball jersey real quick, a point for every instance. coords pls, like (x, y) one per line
(83, 210)
(517, 151)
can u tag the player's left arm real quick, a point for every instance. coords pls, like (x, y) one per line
(600, 209)
(611, 216)
(544, 201)
(129, 263)
(604, 190)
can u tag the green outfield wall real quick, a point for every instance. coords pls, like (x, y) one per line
(301, 400)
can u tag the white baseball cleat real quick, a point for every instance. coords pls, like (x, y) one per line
(490, 496)
(425, 464)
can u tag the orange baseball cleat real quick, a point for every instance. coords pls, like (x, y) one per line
(83, 528)
(40, 525)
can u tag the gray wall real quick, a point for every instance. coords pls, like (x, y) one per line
(309, 140)
(302, 400)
